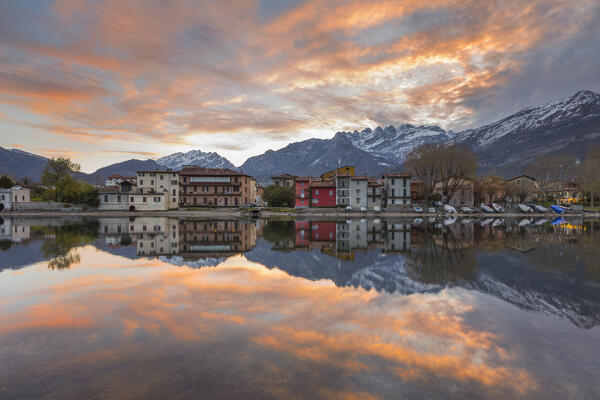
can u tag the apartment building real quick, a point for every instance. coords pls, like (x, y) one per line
(216, 187)
(149, 182)
(358, 191)
(342, 193)
(374, 189)
(396, 190)
(303, 191)
(286, 180)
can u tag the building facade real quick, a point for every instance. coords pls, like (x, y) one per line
(214, 187)
(16, 194)
(342, 192)
(358, 191)
(303, 191)
(396, 190)
(464, 195)
(160, 182)
(286, 180)
(374, 189)
(322, 193)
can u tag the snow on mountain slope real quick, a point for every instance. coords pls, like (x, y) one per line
(195, 157)
(395, 143)
(583, 105)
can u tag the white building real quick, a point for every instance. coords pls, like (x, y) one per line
(342, 189)
(116, 180)
(16, 194)
(160, 182)
(396, 190)
(358, 191)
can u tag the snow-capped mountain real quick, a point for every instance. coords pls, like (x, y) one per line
(394, 143)
(315, 156)
(195, 157)
(570, 125)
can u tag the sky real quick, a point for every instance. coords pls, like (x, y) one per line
(108, 80)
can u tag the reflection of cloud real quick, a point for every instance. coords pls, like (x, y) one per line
(411, 337)
(159, 73)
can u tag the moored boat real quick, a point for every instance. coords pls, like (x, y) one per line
(525, 208)
(449, 209)
(486, 208)
(497, 207)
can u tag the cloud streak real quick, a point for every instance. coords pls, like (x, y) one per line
(164, 74)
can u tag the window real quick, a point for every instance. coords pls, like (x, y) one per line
(331, 192)
(141, 181)
(157, 199)
(161, 177)
(131, 199)
(393, 192)
(357, 191)
(174, 192)
(119, 199)
(23, 198)
(358, 200)
(317, 192)
(106, 198)
(393, 181)
(144, 199)
(151, 181)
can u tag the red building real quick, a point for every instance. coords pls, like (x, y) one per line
(303, 191)
(322, 193)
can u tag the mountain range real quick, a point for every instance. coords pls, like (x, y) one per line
(570, 125)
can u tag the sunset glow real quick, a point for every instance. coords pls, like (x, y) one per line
(106, 81)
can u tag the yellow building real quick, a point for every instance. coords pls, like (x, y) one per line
(348, 170)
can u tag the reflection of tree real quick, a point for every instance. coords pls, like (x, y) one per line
(441, 259)
(67, 237)
(573, 254)
(5, 245)
(280, 233)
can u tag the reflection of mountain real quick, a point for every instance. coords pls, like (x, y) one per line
(372, 269)
(507, 275)
(199, 263)
(22, 255)
(511, 277)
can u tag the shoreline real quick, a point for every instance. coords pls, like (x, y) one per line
(237, 213)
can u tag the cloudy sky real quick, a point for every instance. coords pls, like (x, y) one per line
(105, 81)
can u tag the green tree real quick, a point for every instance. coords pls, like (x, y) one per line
(6, 182)
(279, 196)
(63, 186)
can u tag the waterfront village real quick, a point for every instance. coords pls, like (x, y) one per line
(199, 187)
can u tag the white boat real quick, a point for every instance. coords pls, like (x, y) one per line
(431, 210)
(466, 210)
(376, 209)
(524, 222)
(525, 208)
(498, 222)
(539, 208)
(486, 208)
(449, 209)
(449, 221)
(363, 209)
(418, 209)
(497, 208)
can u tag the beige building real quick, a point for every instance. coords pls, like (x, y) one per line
(16, 194)
(215, 187)
(167, 182)
(464, 196)
(286, 180)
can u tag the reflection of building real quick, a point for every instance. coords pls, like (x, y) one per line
(200, 239)
(13, 232)
(155, 236)
(396, 236)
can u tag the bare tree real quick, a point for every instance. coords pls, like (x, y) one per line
(518, 193)
(548, 170)
(421, 163)
(589, 173)
(455, 163)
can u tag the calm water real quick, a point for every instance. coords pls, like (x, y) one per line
(360, 309)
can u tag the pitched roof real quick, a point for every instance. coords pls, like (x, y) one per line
(322, 183)
(195, 170)
(360, 178)
(396, 175)
(283, 176)
(521, 176)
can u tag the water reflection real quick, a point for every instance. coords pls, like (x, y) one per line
(306, 309)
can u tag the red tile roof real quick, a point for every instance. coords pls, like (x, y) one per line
(201, 171)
